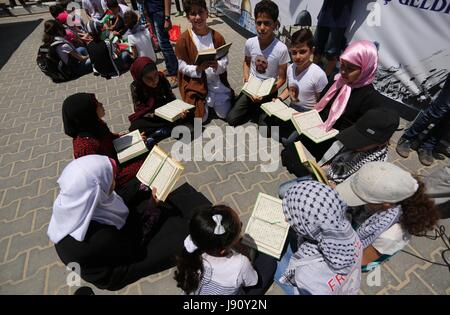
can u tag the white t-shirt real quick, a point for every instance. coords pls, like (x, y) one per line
(309, 82)
(226, 275)
(265, 63)
(143, 43)
(392, 240)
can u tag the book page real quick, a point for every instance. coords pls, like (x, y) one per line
(269, 209)
(307, 119)
(317, 134)
(275, 106)
(164, 178)
(171, 110)
(285, 114)
(266, 87)
(133, 151)
(252, 85)
(127, 140)
(151, 165)
(268, 238)
(303, 153)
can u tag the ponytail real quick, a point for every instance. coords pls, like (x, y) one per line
(189, 270)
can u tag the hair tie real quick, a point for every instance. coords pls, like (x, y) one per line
(189, 244)
(219, 229)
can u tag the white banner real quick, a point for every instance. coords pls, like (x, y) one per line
(413, 37)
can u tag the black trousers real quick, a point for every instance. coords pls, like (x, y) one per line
(245, 109)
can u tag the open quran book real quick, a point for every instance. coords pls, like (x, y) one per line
(159, 170)
(310, 162)
(308, 123)
(278, 109)
(172, 111)
(212, 54)
(267, 229)
(129, 146)
(255, 87)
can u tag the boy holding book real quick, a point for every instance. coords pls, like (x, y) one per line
(205, 85)
(265, 58)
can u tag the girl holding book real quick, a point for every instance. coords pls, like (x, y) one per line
(150, 90)
(205, 85)
(82, 117)
(208, 263)
(95, 227)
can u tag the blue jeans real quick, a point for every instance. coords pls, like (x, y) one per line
(157, 19)
(80, 68)
(436, 113)
(286, 185)
(284, 262)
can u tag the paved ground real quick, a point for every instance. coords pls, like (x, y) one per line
(34, 151)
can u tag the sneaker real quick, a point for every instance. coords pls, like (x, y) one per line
(440, 153)
(179, 13)
(150, 143)
(403, 147)
(425, 157)
(173, 81)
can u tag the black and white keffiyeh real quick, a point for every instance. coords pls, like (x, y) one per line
(374, 225)
(317, 214)
(348, 162)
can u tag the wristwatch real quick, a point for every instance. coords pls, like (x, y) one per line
(167, 17)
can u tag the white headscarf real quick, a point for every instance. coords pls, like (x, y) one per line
(85, 184)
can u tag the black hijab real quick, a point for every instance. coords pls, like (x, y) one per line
(79, 113)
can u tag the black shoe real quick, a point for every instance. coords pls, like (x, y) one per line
(403, 147)
(161, 133)
(425, 157)
(440, 153)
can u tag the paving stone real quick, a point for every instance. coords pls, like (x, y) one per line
(369, 285)
(48, 184)
(203, 178)
(247, 199)
(8, 212)
(43, 216)
(44, 149)
(21, 225)
(224, 188)
(25, 242)
(272, 187)
(12, 148)
(30, 286)
(18, 156)
(252, 178)
(6, 170)
(414, 287)
(435, 277)
(18, 193)
(19, 137)
(13, 181)
(42, 201)
(49, 130)
(50, 171)
(164, 286)
(27, 165)
(13, 270)
(228, 169)
(30, 126)
(51, 157)
(4, 243)
(39, 258)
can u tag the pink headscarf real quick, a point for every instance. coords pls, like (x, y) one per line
(362, 53)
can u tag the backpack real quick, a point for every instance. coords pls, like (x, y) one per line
(50, 63)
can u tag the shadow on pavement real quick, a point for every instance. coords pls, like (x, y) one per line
(12, 35)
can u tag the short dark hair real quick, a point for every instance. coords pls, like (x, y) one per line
(130, 14)
(268, 7)
(56, 9)
(112, 4)
(301, 36)
(188, 4)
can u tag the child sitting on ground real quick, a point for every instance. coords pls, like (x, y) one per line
(265, 57)
(138, 36)
(208, 264)
(205, 85)
(364, 142)
(117, 25)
